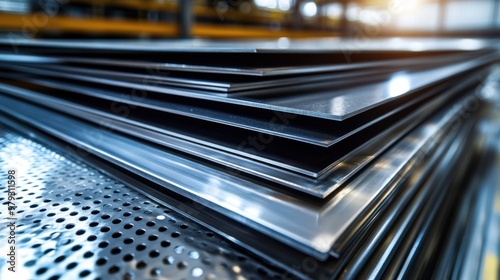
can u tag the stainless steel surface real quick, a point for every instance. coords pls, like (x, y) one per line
(341, 170)
(474, 253)
(270, 71)
(322, 187)
(334, 104)
(239, 118)
(274, 86)
(418, 244)
(320, 132)
(402, 216)
(311, 160)
(344, 103)
(262, 208)
(222, 83)
(259, 46)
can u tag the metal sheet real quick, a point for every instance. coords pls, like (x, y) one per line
(222, 82)
(253, 120)
(395, 203)
(348, 102)
(275, 86)
(334, 104)
(320, 132)
(229, 86)
(330, 159)
(259, 207)
(321, 187)
(308, 160)
(272, 71)
(415, 45)
(434, 223)
(403, 214)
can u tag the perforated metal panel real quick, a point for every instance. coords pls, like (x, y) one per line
(75, 222)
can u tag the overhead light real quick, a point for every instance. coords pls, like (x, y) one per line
(269, 4)
(398, 85)
(284, 5)
(309, 9)
(334, 10)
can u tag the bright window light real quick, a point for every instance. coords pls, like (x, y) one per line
(352, 13)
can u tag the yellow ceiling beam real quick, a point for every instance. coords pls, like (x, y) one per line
(31, 24)
(101, 26)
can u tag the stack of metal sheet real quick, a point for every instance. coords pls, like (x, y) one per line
(342, 152)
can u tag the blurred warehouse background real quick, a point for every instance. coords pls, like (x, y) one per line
(249, 18)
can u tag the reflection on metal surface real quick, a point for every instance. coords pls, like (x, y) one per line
(398, 84)
(26, 58)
